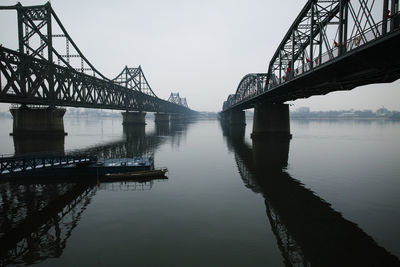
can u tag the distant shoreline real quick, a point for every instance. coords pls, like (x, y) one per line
(342, 118)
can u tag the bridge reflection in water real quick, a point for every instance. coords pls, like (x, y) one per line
(38, 144)
(38, 217)
(33, 154)
(308, 231)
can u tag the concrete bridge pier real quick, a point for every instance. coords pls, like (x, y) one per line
(133, 118)
(161, 118)
(38, 121)
(236, 117)
(271, 120)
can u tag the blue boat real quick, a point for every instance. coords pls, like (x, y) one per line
(113, 165)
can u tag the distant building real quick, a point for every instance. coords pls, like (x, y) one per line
(303, 110)
(383, 112)
(348, 115)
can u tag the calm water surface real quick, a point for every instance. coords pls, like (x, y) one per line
(330, 196)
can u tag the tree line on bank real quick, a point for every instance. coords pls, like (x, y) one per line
(305, 112)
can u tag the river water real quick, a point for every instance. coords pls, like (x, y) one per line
(327, 197)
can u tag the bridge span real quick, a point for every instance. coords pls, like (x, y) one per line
(332, 45)
(49, 69)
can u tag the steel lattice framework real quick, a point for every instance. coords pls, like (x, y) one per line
(249, 86)
(50, 69)
(324, 32)
(176, 99)
(41, 231)
(134, 79)
(12, 164)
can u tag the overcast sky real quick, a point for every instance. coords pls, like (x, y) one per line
(201, 49)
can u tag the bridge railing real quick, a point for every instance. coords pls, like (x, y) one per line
(365, 37)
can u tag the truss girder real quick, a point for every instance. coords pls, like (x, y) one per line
(71, 88)
(36, 26)
(176, 99)
(134, 79)
(10, 165)
(50, 220)
(250, 86)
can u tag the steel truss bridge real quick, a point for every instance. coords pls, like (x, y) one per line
(175, 98)
(49, 69)
(332, 45)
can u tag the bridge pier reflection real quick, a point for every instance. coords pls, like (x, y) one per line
(162, 128)
(270, 154)
(38, 143)
(38, 219)
(177, 117)
(135, 139)
(233, 133)
(161, 117)
(308, 231)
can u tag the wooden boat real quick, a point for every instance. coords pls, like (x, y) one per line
(136, 175)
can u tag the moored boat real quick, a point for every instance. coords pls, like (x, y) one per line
(136, 175)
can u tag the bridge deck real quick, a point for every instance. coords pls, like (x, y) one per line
(375, 62)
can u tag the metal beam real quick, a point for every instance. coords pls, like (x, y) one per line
(74, 88)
